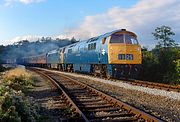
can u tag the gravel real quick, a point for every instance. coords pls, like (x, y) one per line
(158, 92)
(51, 102)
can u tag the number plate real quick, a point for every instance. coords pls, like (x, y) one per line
(125, 56)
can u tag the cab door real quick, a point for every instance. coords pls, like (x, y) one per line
(103, 55)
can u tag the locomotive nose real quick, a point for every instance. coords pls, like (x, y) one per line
(124, 54)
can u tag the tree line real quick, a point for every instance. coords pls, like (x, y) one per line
(162, 64)
(25, 48)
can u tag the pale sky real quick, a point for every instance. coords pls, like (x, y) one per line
(30, 19)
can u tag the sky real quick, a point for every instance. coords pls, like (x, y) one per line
(82, 19)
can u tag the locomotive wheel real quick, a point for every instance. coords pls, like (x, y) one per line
(103, 71)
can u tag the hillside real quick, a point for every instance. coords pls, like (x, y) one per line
(24, 48)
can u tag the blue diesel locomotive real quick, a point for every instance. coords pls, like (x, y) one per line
(114, 54)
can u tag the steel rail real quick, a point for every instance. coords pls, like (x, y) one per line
(132, 110)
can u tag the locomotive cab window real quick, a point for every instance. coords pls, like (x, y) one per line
(130, 39)
(123, 38)
(117, 38)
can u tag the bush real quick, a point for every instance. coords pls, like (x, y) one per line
(177, 72)
(2, 69)
(161, 65)
(14, 105)
(149, 66)
(167, 64)
(19, 83)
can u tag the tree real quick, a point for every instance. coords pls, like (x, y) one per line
(167, 54)
(163, 35)
(150, 70)
(1, 52)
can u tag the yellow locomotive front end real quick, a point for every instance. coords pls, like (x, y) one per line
(124, 54)
(123, 48)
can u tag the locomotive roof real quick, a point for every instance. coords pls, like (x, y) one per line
(105, 35)
(99, 37)
(83, 41)
(115, 31)
(53, 51)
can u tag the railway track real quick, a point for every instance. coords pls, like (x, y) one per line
(92, 105)
(147, 84)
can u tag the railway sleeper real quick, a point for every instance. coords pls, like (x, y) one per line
(85, 107)
(77, 91)
(89, 100)
(92, 103)
(111, 115)
(118, 119)
(103, 109)
(84, 95)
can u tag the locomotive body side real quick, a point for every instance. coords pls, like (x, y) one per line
(115, 54)
(82, 56)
